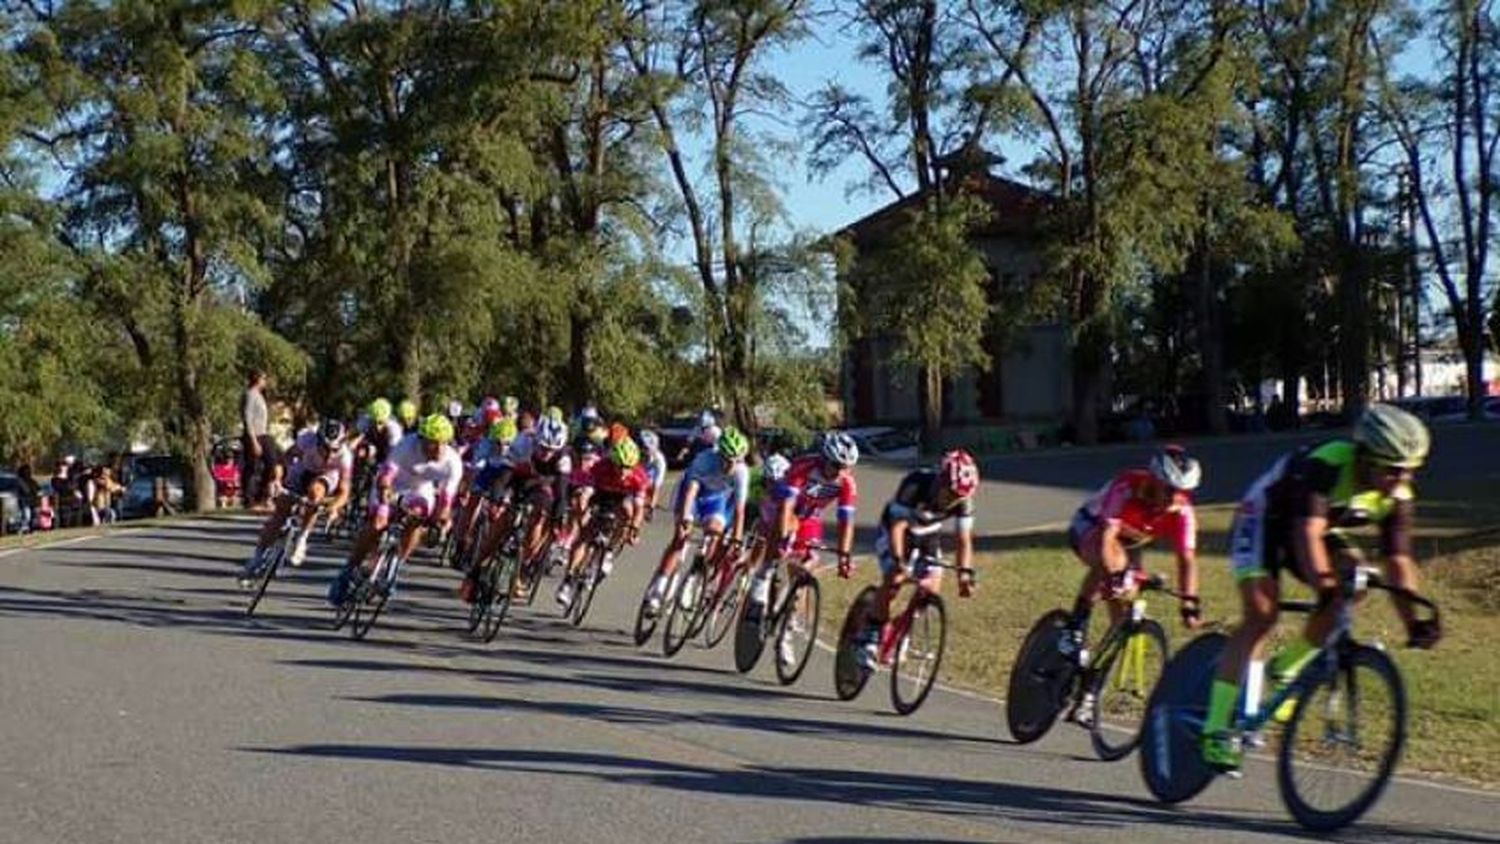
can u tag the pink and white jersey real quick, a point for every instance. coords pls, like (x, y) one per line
(811, 491)
(1123, 501)
(411, 471)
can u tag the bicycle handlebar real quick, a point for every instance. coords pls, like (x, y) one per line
(1362, 579)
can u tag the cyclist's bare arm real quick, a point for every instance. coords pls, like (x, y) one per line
(898, 539)
(846, 534)
(1401, 571)
(1111, 549)
(1312, 553)
(1187, 572)
(963, 555)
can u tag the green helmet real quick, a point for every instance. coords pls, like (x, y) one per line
(510, 405)
(732, 444)
(379, 411)
(1392, 436)
(554, 412)
(625, 454)
(406, 411)
(503, 430)
(436, 428)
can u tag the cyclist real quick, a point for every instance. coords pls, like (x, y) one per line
(377, 429)
(421, 476)
(616, 484)
(909, 523)
(656, 468)
(406, 413)
(483, 465)
(811, 483)
(319, 465)
(537, 466)
(713, 491)
(1110, 531)
(1291, 519)
(705, 434)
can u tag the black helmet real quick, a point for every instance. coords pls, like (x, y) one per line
(331, 433)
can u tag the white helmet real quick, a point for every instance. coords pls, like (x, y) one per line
(776, 467)
(840, 448)
(551, 433)
(650, 441)
(1173, 467)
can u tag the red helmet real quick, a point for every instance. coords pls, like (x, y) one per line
(960, 473)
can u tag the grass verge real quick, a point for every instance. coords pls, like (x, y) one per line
(1454, 691)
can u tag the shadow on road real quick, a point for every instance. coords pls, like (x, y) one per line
(1010, 803)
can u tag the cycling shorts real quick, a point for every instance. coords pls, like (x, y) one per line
(303, 479)
(487, 477)
(1081, 536)
(708, 507)
(925, 545)
(1262, 547)
(419, 501)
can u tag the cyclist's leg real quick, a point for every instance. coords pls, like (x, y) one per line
(1255, 558)
(417, 504)
(272, 526)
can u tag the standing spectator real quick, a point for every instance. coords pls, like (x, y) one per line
(67, 492)
(258, 447)
(27, 497)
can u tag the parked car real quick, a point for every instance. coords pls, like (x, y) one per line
(10, 502)
(895, 445)
(675, 434)
(1447, 408)
(143, 470)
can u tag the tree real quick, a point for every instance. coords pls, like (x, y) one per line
(1459, 114)
(707, 58)
(153, 106)
(925, 289)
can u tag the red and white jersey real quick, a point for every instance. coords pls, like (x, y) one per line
(812, 491)
(606, 477)
(1123, 502)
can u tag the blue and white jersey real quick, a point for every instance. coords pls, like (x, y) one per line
(708, 470)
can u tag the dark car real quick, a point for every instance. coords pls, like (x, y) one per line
(143, 472)
(675, 435)
(10, 502)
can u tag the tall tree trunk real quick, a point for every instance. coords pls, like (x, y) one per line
(1211, 345)
(1354, 334)
(580, 355)
(195, 429)
(932, 409)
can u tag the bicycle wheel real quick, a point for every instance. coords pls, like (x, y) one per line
(268, 569)
(1040, 680)
(714, 583)
(1343, 740)
(797, 629)
(645, 621)
(681, 605)
(478, 605)
(583, 590)
(345, 609)
(373, 599)
(849, 674)
(727, 608)
(755, 624)
(1121, 688)
(499, 587)
(919, 653)
(1171, 759)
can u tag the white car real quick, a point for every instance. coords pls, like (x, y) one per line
(893, 445)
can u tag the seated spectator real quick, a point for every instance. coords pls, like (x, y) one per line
(102, 496)
(226, 472)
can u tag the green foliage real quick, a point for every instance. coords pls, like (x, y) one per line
(926, 289)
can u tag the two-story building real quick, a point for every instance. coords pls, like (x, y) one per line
(1029, 381)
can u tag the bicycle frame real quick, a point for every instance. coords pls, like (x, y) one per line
(896, 628)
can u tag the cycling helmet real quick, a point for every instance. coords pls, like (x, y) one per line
(510, 405)
(489, 411)
(436, 428)
(625, 454)
(455, 409)
(960, 473)
(733, 444)
(406, 411)
(1173, 467)
(650, 441)
(554, 412)
(839, 448)
(330, 433)
(707, 419)
(379, 411)
(551, 434)
(1391, 436)
(777, 467)
(503, 430)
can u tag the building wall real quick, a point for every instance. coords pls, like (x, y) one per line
(1033, 377)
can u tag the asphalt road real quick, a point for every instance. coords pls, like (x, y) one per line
(138, 704)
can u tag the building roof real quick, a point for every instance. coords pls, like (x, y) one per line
(1017, 210)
